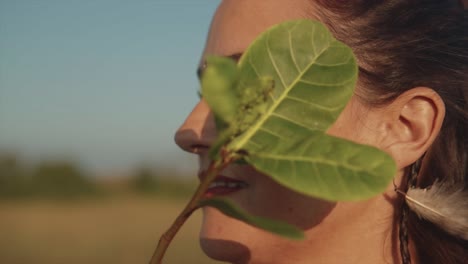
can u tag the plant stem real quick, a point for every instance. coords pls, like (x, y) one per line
(208, 176)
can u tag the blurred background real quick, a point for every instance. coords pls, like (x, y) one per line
(91, 93)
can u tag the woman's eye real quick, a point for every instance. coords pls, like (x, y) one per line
(200, 70)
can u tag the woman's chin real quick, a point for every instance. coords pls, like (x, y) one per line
(224, 238)
(225, 250)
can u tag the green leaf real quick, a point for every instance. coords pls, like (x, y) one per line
(219, 88)
(219, 82)
(273, 226)
(327, 167)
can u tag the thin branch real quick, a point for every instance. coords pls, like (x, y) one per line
(208, 176)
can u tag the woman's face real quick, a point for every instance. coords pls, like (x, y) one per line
(235, 25)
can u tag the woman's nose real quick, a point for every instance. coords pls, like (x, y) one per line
(198, 131)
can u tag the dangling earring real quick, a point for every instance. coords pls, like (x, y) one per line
(411, 180)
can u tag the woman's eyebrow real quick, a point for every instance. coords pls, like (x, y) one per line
(201, 68)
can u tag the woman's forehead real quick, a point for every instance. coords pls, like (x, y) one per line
(237, 23)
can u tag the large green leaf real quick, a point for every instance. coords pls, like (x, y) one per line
(314, 77)
(273, 226)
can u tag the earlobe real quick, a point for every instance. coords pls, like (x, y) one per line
(418, 115)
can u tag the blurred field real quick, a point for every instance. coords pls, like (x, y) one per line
(122, 229)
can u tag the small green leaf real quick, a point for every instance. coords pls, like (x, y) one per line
(218, 88)
(219, 82)
(273, 226)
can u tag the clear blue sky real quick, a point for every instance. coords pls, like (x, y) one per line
(103, 82)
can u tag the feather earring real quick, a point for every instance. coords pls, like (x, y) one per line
(441, 204)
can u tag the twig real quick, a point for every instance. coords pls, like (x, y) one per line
(208, 176)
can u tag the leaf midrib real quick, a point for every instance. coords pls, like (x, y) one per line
(293, 159)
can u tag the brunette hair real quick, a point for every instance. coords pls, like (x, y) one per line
(402, 44)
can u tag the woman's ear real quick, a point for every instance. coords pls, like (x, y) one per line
(416, 117)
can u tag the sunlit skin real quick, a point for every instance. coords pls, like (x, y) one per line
(343, 232)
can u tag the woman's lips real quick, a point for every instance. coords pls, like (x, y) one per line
(223, 185)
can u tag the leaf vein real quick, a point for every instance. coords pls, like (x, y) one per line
(331, 109)
(272, 133)
(292, 121)
(332, 65)
(326, 84)
(311, 160)
(291, 52)
(273, 62)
